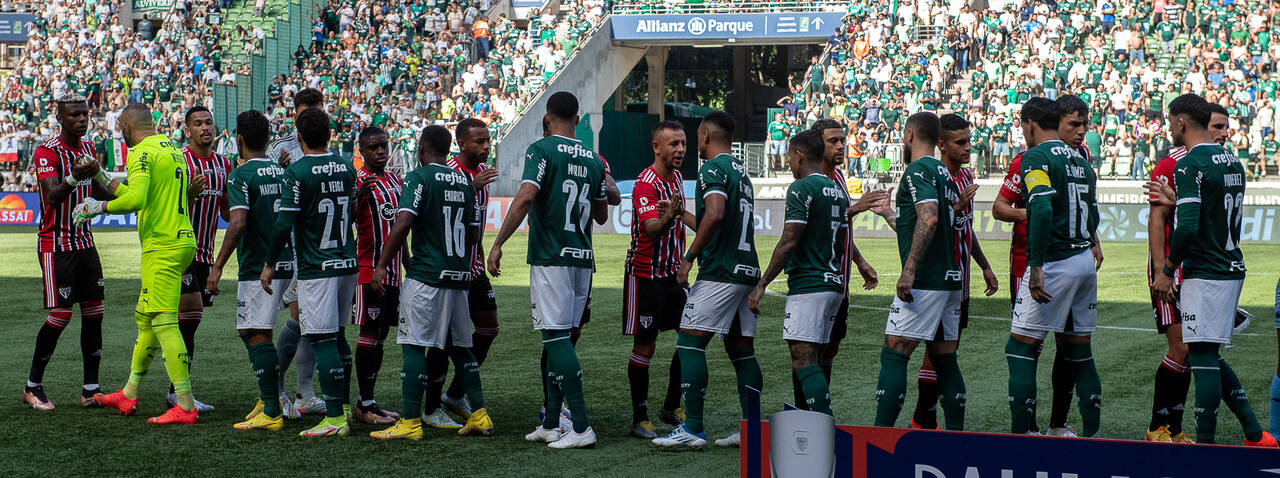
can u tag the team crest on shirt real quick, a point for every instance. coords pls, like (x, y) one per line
(374, 313)
(65, 292)
(186, 279)
(646, 321)
(387, 212)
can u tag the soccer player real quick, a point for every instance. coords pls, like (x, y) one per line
(474, 144)
(817, 225)
(68, 259)
(377, 199)
(1206, 243)
(835, 144)
(563, 189)
(316, 207)
(1010, 206)
(293, 346)
(954, 146)
(926, 307)
(652, 300)
(159, 192)
(205, 210)
(1173, 377)
(253, 193)
(728, 270)
(1060, 293)
(438, 204)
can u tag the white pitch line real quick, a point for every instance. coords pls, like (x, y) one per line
(1003, 319)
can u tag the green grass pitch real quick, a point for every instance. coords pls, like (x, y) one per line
(73, 440)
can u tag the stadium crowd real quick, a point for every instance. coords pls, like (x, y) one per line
(1127, 59)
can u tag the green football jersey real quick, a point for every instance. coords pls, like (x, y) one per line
(820, 205)
(255, 187)
(927, 180)
(730, 256)
(158, 176)
(444, 205)
(569, 178)
(1058, 173)
(321, 189)
(1211, 178)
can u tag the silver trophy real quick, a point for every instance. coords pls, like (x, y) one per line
(802, 444)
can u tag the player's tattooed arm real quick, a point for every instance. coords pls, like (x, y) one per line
(235, 229)
(519, 209)
(921, 238)
(791, 233)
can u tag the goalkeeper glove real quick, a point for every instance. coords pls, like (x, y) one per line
(87, 210)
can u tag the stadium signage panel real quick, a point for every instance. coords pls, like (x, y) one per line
(15, 26)
(725, 26)
(23, 209)
(151, 5)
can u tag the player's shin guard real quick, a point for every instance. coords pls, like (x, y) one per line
(1208, 377)
(816, 393)
(1063, 380)
(926, 415)
(91, 341)
(672, 400)
(891, 388)
(47, 341)
(262, 357)
(144, 351)
(331, 370)
(747, 368)
(413, 380)
(1089, 386)
(368, 359)
(1236, 400)
(951, 386)
(563, 361)
(467, 370)
(1275, 402)
(164, 326)
(1022, 384)
(693, 377)
(344, 355)
(638, 379)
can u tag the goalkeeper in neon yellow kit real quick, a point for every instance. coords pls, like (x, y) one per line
(158, 191)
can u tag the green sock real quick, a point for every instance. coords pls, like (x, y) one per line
(1088, 387)
(816, 393)
(144, 351)
(891, 388)
(747, 369)
(692, 350)
(563, 362)
(174, 350)
(344, 355)
(265, 368)
(1233, 395)
(1208, 378)
(413, 380)
(468, 372)
(1022, 384)
(951, 385)
(329, 364)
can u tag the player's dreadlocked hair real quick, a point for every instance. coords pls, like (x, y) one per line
(1194, 107)
(254, 129)
(313, 128)
(1041, 111)
(562, 105)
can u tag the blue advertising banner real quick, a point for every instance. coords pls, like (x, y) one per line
(14, 26)
(726, 26)
(23, 209)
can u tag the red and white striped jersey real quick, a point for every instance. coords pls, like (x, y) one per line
(482, 206)
(847, 255)
(964, 227)
(655, 258)
(58, 233)
(207, 208)
(1163, 172)
(375, 213)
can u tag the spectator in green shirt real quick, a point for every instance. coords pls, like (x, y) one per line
(777, 147)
